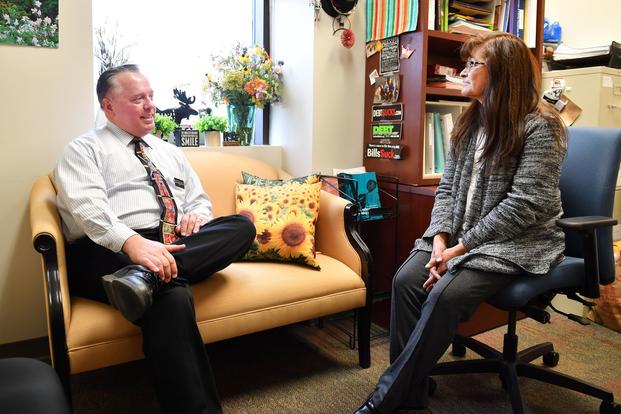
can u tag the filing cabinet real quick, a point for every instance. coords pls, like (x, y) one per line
(597, 91)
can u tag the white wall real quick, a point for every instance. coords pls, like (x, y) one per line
(338, 105)
(46, 98)
(586, 23)
(320, 122)
(291, 124)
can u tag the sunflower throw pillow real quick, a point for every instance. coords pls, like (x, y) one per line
(284, 216)
(248, 178)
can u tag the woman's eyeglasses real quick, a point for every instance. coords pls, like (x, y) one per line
(471, 64)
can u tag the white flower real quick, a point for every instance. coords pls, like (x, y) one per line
(19, 40)
(7, 18)
(37, 3)
(35, 41)
(47, 20)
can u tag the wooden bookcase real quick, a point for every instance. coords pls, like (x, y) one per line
(430, 46)
(416, 189)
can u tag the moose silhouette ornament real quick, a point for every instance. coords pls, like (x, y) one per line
(183, 111)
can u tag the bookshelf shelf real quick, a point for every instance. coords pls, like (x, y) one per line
(443, 91)
(453, 37)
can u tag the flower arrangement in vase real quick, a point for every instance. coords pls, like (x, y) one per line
(244, 79)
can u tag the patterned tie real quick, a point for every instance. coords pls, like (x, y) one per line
(168, 220)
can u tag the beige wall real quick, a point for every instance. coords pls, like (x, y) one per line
(320, 122)
(586, 23)
(46, 98)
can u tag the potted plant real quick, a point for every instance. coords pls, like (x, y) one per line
(164, 126)
(212, 126)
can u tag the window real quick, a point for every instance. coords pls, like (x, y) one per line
(173, 42)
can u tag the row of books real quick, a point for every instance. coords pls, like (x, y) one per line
(438, 128)
(479, 16)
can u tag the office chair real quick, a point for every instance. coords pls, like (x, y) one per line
(588, 180)
(29, 386)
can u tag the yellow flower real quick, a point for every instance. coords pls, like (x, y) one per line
(292, 236)
(271, 211)
(251, 210)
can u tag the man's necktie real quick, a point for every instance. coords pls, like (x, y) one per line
(168, 220)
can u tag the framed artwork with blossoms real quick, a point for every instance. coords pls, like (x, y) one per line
(29, 22)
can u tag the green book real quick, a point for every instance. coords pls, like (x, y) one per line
(438, 147)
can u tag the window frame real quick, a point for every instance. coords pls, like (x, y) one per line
(261, 35)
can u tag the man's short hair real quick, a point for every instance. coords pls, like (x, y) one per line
(104, 83)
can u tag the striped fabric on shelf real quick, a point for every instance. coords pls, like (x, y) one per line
(386, 18)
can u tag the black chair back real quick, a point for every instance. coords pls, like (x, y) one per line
(588, 182)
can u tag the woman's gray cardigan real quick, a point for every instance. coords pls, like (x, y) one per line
(510, 226)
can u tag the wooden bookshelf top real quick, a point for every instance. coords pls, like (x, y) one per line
(452, 37)
(443, 91)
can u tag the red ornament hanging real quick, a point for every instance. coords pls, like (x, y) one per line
(347, 38)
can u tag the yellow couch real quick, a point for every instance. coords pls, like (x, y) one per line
(243, 298)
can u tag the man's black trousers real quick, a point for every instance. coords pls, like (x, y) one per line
(172, 343)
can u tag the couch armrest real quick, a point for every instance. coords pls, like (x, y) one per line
(48, 240)
(336, 234)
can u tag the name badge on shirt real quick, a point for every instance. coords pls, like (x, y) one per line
(179, 183)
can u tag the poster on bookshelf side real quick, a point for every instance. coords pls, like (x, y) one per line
(386, 131)
(389, 55)
(384, 151)
(392, 112)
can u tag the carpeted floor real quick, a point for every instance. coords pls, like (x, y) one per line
(304, 369)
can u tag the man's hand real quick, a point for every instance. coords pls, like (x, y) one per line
(190, 223)
(153, 255)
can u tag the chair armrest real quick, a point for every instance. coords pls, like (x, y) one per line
(587, 226)
(585, 222)
(336, 234)
(48, 240)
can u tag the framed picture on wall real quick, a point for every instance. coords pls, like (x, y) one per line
(29, 23)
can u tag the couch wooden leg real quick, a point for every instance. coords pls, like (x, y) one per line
(364, 336)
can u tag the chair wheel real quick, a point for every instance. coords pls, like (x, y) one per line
(551, 359)
(609, 407)
(458, 350)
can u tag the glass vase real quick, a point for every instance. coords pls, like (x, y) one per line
(241, 122)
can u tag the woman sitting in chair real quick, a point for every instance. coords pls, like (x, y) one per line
(493, 219)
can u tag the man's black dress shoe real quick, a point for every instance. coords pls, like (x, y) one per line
(367, 408)
(130, 290)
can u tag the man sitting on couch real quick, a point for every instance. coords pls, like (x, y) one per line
(140, 231)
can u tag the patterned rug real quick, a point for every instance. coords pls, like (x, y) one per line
(305, 369)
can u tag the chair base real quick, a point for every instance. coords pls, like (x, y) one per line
(511, 364)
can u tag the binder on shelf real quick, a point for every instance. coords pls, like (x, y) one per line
(438, 142)
(429, 144)
(447, 128)
(520, 19)
(530, 23)
(431, 16)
